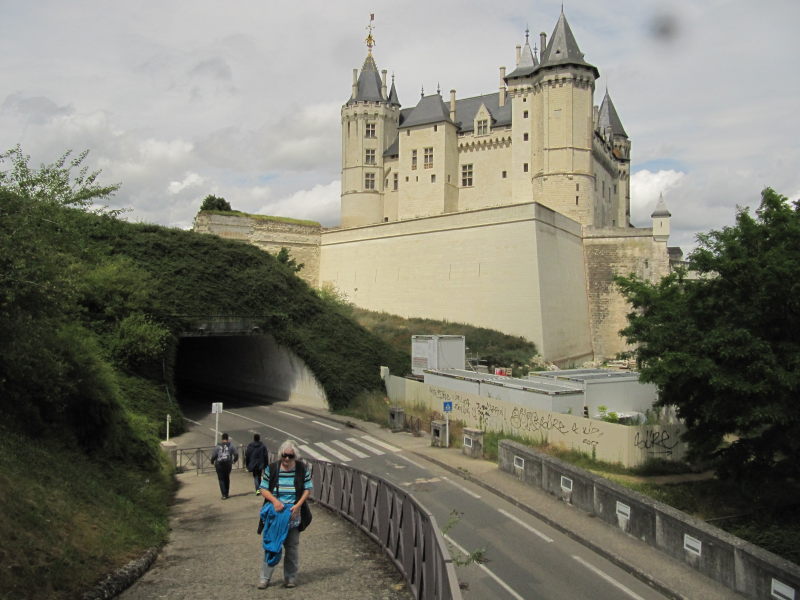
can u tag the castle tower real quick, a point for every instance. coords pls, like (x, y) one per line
(613, 132)
(661, 220)
(524, 129)
(369, 125)
(553, 103)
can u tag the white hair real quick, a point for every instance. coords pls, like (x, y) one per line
(290, 443)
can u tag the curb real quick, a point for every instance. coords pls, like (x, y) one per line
(118, 581)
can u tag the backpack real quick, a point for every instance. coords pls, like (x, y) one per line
(224, 453)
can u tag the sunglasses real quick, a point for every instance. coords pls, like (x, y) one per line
(287, 455)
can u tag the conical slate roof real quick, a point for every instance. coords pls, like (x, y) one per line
(610, 118)
(430, 109)
(369, 83)
(661, 208)
(527, 62)
(393, 95)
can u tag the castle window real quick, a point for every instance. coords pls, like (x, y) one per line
(576, 201)
(413, 159)
(615, 188)
(427, 157)
(525, 167)
(394, 184)
(435, 128)
(505, 174)
(524, 137)
(466, 175)
(525, 114)
(369, 157)
(483, 127)
(433, 178)
(369, 181)
(577, 187)
(370, 132)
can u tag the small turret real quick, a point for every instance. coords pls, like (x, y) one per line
(661, 220)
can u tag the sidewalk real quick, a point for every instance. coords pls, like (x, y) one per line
(667, 575)
(215, 552)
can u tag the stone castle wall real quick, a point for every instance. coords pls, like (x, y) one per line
(302, 240)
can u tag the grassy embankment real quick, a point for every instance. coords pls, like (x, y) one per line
(90, 315)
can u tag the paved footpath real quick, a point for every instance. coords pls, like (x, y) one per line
(214, 551)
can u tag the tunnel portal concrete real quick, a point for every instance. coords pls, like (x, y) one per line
(252, 367)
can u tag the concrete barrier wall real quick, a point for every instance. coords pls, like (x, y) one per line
(628, 445)
(733, 562)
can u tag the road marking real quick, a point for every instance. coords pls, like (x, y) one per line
(404, 457)
(461, 487)
(350, 449)
(313, 453)
(291, 414)
(373, 440)
(502, 583)
(358, 442)
(326, 425)
(292, 435)
(525, 525)
(190, 421)
(608, 578)
(336, 453)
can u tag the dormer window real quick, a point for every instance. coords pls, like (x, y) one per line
(482, 127)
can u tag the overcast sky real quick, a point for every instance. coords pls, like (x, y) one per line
(180, 99)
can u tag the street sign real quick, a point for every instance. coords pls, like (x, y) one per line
(448, 406)
(216, 408)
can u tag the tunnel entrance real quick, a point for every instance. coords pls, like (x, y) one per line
(242, 369)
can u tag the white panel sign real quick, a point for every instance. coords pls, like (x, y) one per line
(566, 484)
(519, 462)
(216, 408)
(623, 510)
(467, 442)
(781, 591)
(693, 545)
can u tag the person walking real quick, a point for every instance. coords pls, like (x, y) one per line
(255, 459)
(285, 486)
(223, 457)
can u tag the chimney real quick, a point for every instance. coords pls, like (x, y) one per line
(542, 44)
(383, 85)
(355, 83)
(519, 53)
(453, 106)
(502, 97)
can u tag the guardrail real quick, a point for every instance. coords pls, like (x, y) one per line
(199, 459)
(394, 519)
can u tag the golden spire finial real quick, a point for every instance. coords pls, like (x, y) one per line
(370, 40)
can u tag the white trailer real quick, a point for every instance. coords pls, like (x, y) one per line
(437, 352)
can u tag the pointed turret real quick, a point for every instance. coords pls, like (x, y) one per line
(368, 86)
(393, 95)
(562, 49)
(661, 223)
(526, 63)
(609, 119)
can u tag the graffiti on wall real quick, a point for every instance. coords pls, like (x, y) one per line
(656, 441)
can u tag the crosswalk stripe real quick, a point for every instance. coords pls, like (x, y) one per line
(313, 453)
(326, 425)
(358, 442)
(336, 453)
(350, 449)
(373, 440)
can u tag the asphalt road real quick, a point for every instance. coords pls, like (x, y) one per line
(523, 557)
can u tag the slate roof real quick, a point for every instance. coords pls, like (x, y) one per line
(430, 109)
(393, 95)
(467, 108)
(610, 118)
(661, 208)
(369, 83)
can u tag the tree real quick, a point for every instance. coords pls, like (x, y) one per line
(212, 202)
(285, 258)
(725, 348)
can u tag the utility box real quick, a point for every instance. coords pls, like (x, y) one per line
(473, 442)
(437, 352)
(397, 419)
(439, 434)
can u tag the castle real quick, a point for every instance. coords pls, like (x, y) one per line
(509, 210)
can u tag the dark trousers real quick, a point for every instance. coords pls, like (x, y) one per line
(257, 472)
(224, 476)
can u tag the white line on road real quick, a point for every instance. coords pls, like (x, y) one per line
(291, 414)
(336, 453)
(608, 578)
(373, 440)
(525, 525)
(326, 425)
(350, 449)
(461, 487)
(406, 458)
(190, 421)
(292, 435)
(502, 583)
(313, 453)
(358, 442)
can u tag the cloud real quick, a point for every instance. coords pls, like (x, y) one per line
(191, 180)
(320, 203)
(646, 187)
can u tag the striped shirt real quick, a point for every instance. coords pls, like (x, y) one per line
(286, 492)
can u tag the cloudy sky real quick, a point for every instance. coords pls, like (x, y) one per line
(180, 99)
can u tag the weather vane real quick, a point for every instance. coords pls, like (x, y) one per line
(370, 40)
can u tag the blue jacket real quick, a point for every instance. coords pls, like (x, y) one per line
(276, 526)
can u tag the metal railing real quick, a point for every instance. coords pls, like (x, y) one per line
(199, 459)
(394, 519)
